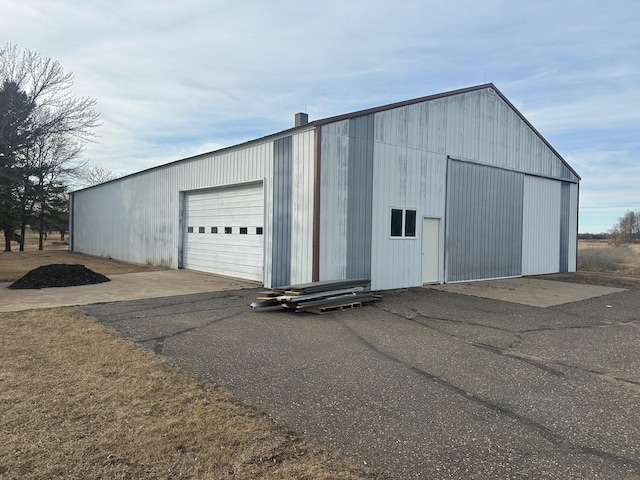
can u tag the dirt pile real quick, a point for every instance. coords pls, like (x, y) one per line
(58, 275)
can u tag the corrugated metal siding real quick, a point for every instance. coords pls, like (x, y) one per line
(282, 194)
(479, 126)
(400, 177)
(403, 178)
(541, 226)
(359, 196)
(483, 222)
(302, 207)
(136, 218)
(409, 172)
(565, 223)
(334, 168)
(572, 241)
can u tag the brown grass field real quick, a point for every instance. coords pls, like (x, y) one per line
(77, 401)
(600, 263)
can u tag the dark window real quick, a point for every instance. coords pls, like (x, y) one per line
(258, 230)
(214, 229)
(396, 222)
(403, 223)
(410, 223)
(189, 229)
(243, 230)
(227, 229)
(200, 229)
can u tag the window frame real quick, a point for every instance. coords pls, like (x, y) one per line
(404, 224)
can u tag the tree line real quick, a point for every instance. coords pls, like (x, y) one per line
(43, 127)
(627, 229)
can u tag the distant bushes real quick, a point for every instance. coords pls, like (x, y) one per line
(593, 236)
(606, 259)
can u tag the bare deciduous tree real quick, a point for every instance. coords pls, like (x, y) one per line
(96, 175)
(41, 154)
(627, 230)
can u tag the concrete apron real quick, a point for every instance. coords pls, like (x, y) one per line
(167, 283)
(126, 286)
(528, 291)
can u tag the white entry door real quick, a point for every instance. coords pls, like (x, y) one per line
(430, 250)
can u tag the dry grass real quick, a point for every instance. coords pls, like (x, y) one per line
(78, 401)
(602, 264)
(602, 257)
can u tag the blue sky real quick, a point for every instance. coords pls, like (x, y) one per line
(174, 79)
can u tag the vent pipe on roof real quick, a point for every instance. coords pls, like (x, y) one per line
(301, 119)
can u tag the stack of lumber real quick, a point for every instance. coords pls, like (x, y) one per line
(319, 297)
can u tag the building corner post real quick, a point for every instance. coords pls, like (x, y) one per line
(315, 267)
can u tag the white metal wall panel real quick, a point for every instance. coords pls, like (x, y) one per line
(541, 226)
(334, 165)
(238, 253)
(403, 178)
(477, 126)
(302, 207)
(573, 227)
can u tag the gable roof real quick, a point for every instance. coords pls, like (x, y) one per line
(451, 93)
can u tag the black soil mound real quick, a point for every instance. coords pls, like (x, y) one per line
(60, 275)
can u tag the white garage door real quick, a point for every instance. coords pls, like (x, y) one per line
(224, 231)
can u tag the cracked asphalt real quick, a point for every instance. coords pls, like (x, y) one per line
(425, 383)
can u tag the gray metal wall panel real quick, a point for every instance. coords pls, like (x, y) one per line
(282, 194)
(565, 221)
(334, 163)
(360, 194)
(483, 222)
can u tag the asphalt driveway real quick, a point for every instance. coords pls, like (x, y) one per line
(426, 383)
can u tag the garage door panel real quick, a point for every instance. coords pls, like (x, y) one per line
(233, 254)
(228, 268)
(224, 250)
